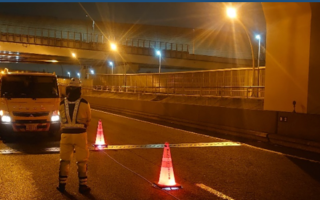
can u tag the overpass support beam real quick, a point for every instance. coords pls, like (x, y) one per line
(292, 60)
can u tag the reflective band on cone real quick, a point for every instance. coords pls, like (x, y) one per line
(100, 142)
(166, 179)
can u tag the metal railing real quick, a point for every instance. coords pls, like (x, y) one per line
(223, 83)
(240, 92)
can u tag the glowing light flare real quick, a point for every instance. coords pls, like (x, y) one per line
(74, 55)
(111, 63)
(231, 12)
(91, 71)
(158, 53)
(113, 46)
(258, 37)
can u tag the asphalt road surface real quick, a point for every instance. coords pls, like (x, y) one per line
(211, 168)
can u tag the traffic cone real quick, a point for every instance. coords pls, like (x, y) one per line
(100, 142)
(167, 180)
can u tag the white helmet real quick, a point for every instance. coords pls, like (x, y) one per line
(75, 82)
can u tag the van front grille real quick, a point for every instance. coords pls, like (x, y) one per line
(27, 114)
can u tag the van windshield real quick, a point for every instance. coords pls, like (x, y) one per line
(28, 86)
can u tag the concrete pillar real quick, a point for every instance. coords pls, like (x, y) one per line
(292, 60)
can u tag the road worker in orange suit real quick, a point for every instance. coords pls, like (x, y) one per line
(75, 115)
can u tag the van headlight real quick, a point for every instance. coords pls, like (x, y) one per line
(5, 117)
(55, 116)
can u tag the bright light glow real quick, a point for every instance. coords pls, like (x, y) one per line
(111, 63)
(258, 37)
(231, 12)
(78, 74)
(159, 53)
(69, 73)
(1, 112)
(113, 46)
(54, 61)
(92, 72)
(6, 118)
(55, 118)
(17, 57)
(73, 55)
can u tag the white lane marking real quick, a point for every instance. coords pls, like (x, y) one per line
(213, 191)
(250, 146)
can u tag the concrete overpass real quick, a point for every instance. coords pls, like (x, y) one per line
(52, 46)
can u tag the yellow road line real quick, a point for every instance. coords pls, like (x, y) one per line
(213, 191)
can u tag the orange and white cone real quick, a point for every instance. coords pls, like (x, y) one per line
(166, 179)
(100, 142)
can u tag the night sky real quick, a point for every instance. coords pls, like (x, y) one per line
(189, 15)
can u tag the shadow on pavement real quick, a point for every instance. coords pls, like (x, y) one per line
(89, 196)
(32, 143)
(311, 168)
(68, 195)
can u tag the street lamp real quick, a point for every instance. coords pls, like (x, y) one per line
(159, 54)
(232, 13)
(111, 64)
(69, 74)
(259, 38)
(113, 46)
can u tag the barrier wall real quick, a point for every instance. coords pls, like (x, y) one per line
(292, 129)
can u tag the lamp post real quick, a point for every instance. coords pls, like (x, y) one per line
(232, 13)
(69, 74)
(111, 64)
(159, 54)
(259, 38)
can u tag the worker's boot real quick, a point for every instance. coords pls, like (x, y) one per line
(61, 187)
(84, 189)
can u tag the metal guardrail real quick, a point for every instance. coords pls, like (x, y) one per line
(239, 92)
(225, 82)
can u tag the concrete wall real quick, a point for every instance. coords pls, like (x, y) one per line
(253, 120)
(287, 56)
(289, 129)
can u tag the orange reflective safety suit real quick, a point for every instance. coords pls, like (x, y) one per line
(75, 117)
